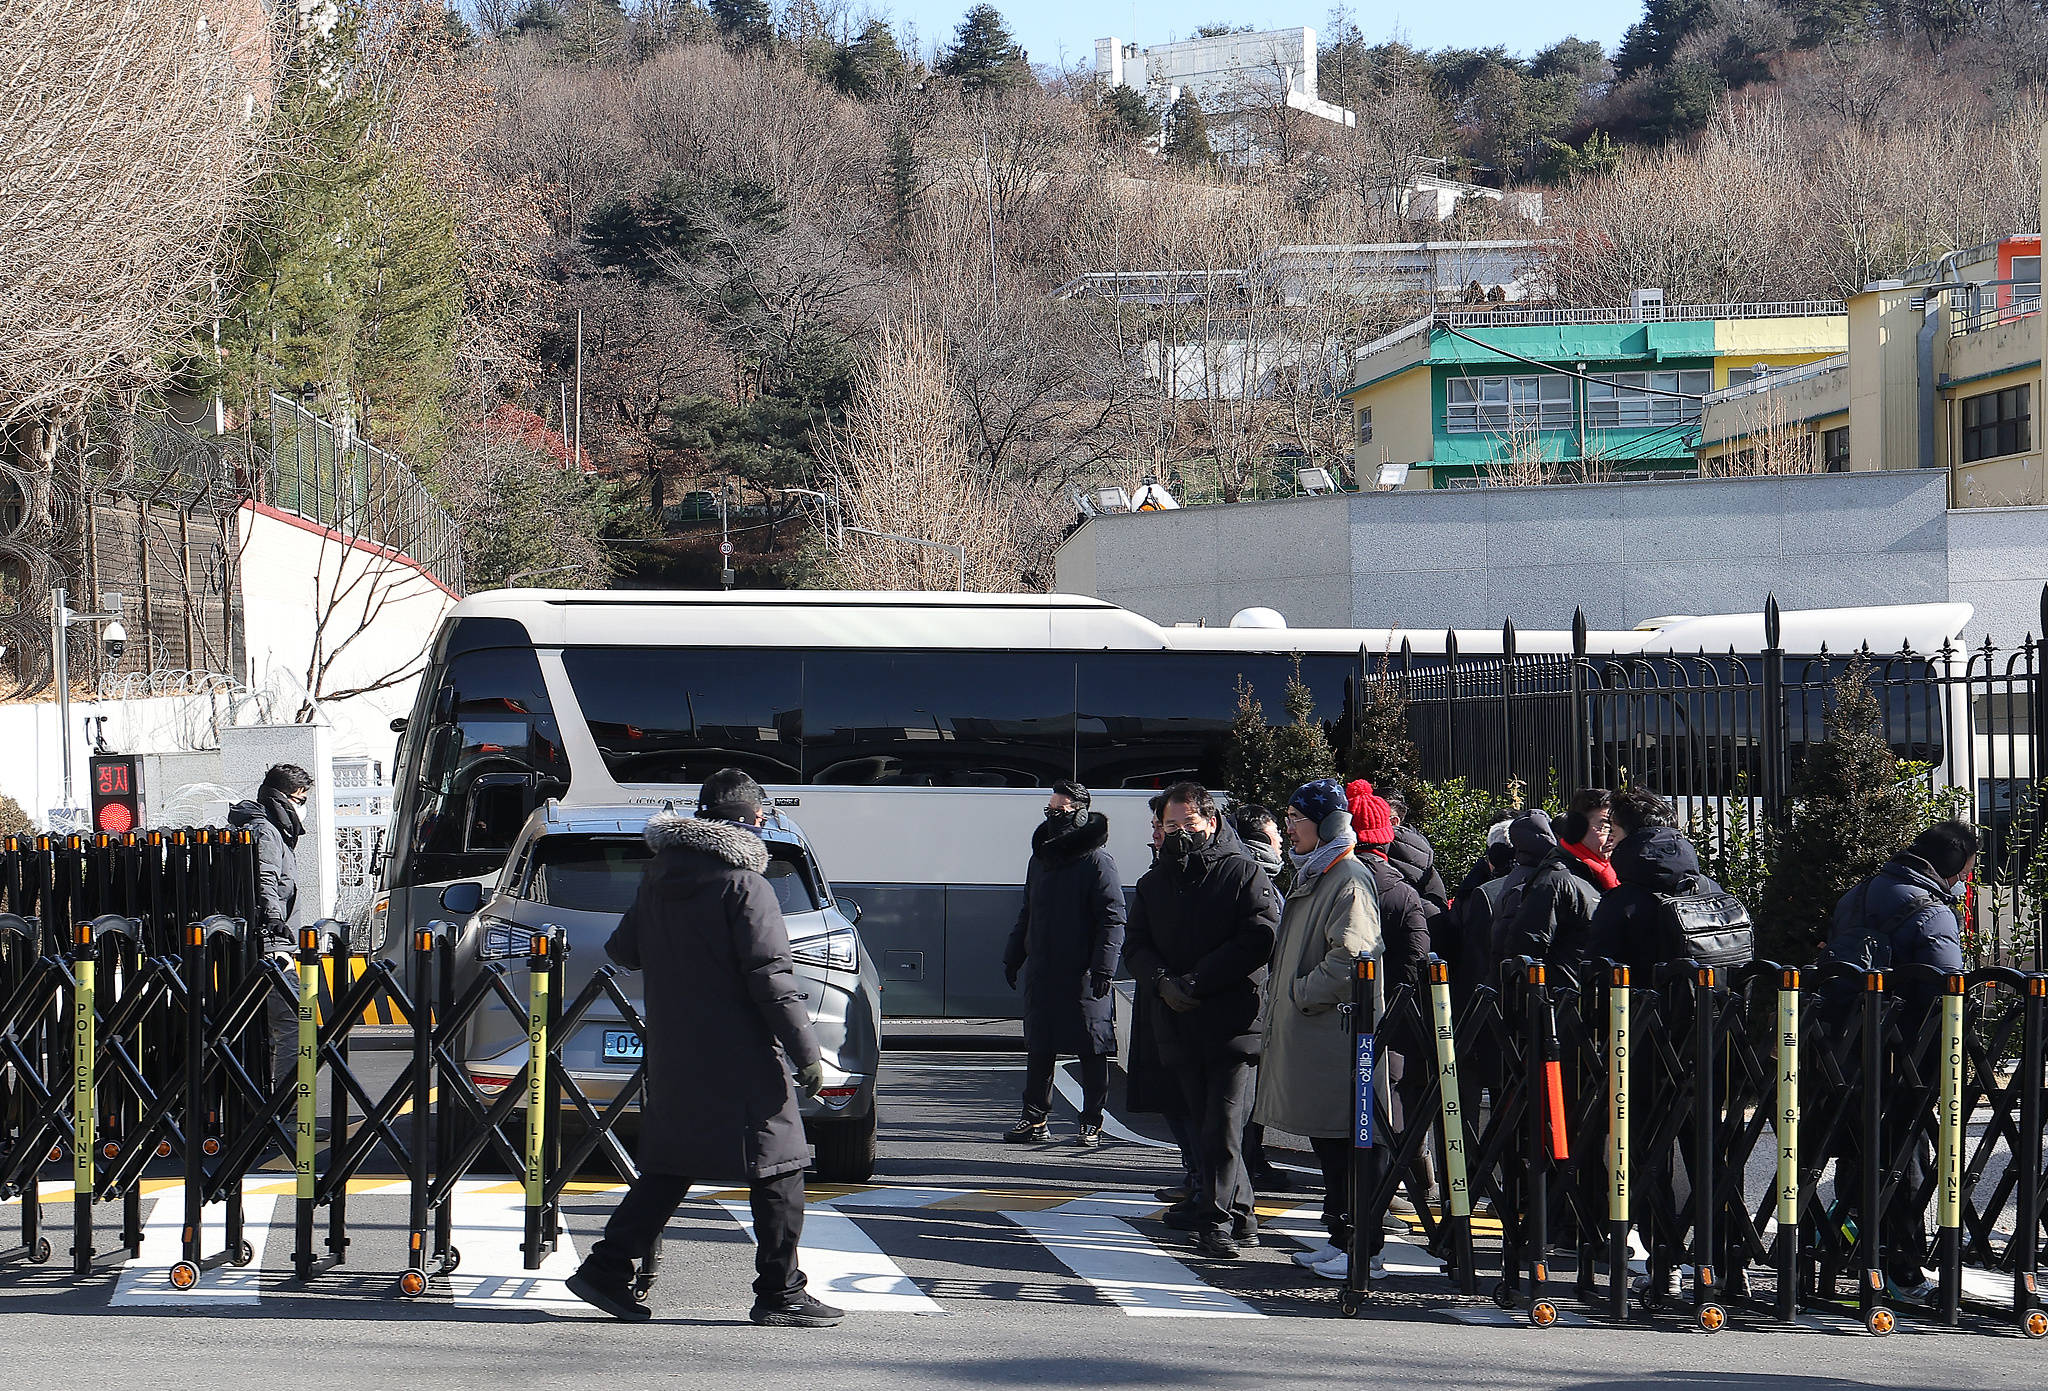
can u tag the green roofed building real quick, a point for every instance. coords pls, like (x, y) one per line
(1515, 394)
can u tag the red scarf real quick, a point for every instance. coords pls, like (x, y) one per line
(1603, 872)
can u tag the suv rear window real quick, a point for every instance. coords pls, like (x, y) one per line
(592, 874)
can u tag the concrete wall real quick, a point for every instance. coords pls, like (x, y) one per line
(1625, 552)
(372, 613)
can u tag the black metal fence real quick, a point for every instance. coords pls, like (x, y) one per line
(1724, 734)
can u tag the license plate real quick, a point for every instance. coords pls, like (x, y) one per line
(621, 1046)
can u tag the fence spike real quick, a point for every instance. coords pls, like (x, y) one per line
(1451, 643)
(1772, 626)
(1578, 632)
(1507, 640)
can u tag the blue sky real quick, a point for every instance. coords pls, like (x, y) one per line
(1046, 26)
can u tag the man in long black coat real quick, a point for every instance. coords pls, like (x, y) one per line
(1201, 930)
(1068, 938)
(726, 1023)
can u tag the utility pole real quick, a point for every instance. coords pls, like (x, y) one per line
(725, 574)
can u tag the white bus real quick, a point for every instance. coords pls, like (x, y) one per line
(911, 735)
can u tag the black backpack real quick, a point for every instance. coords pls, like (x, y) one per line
(1869, 948)
(1710, 927)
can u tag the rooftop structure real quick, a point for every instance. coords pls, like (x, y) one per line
(1939, 371)
(1520, 394)
(1227, 75)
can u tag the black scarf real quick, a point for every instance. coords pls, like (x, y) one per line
(283, 814)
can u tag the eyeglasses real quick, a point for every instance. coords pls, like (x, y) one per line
(1293, 815)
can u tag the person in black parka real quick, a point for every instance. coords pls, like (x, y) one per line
(1201, 930)
(726, 1025)
(1067, 941)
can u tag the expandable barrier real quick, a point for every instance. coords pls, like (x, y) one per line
(1573, 1100)
(145, 1029)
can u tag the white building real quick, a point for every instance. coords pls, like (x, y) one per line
(1228, 75)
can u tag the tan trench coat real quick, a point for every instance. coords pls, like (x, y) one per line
(1305, 1076)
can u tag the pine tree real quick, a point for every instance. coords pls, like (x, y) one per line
(592, 31)
(1248, 754)
(984, 56)
(863, 68)
(1301, 750)
(1850, 812)
(744, 23)
(903, 181)
(1187, 132)
(1382, 752)
(1126, 115)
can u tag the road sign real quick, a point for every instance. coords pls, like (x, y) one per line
(725, 548)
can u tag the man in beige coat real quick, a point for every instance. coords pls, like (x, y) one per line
(1330, 919)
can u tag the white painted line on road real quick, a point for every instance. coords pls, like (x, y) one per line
(892, 1198)
(1070, 1092)
(146, 1280)
(1129, 1270)
(490, 1223)
(843, 1264)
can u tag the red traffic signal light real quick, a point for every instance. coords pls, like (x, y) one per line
(116, 792)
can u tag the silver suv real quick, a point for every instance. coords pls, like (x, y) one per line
(577, 868)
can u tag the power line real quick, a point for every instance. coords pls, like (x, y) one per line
(1568, 372)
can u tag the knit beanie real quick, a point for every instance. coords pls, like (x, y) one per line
(1371, 817)
(1322, 802)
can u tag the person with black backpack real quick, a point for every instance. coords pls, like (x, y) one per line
(1662, 907)
(1903, 915)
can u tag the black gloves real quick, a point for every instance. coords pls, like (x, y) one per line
(1174, 990)
(1010, 973)
(1098, 983)
(810, 1079)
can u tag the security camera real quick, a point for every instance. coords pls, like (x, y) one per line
(115, 639)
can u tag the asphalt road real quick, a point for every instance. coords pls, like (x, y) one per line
(969, 1264)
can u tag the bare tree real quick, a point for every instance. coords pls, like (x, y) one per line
(125, 153)
(900, 465)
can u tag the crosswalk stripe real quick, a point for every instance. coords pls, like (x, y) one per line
(490, 1224)
(146, 1279)
(1122, 1264)
(843, 1264)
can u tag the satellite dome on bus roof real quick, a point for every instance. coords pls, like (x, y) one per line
(1257, 618)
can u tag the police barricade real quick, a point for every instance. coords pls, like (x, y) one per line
(1814, 1116)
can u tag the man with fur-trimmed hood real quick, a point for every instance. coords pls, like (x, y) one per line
(726, 1025)
(1068, 937)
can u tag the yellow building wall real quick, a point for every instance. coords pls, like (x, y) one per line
(1403, 423)
(2007, 480)
(1737, 362)
(1780, 342)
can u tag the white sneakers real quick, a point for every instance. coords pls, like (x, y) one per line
(1315, 1255)
(1337, 1265)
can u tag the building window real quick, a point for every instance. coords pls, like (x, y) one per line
(1834, 449)
(1365, 424)
(1508, 403)
(1996, 423)
(1631, 400)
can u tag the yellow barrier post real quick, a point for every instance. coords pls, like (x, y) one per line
(1948, 1187)
(1620, 1044)
(84, 1045)
(308, 1070)
(1786, 1124)
(1457, 1185)
(539, 979)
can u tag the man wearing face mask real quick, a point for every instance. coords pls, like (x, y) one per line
(1201, 930)
(1068, 938)
(274, 822)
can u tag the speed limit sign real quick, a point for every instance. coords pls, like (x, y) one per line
(725, 548)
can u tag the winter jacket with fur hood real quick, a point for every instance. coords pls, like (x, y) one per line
(725, 1013)
(1071, 925)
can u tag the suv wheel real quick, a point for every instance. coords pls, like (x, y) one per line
(846, 1149)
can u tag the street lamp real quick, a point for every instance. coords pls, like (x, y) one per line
(115, 638)
(835, 524)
